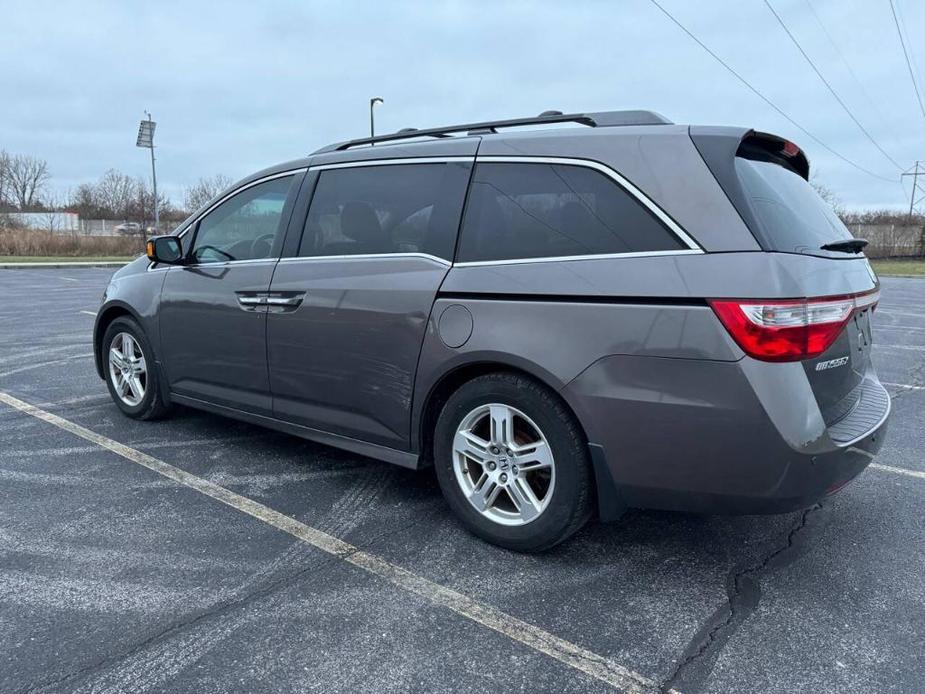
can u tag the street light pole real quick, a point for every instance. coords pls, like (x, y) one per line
(157, 217)
(372, 122)
(146, 139)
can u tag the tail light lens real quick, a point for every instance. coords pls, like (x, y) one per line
(789, 329)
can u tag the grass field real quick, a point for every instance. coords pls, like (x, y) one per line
(64, 259)
(898, 268)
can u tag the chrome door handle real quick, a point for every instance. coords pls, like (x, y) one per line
(252, 300)
(286, 301)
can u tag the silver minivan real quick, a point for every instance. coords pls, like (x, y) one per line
(563, 322)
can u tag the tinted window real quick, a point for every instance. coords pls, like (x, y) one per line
(244, 227)
(791, 216)
(551, 210)
(400, 208)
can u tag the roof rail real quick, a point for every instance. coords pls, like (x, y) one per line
(593, 120)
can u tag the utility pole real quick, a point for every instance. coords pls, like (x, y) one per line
(914, 200)
(146, 139)
(372, 122)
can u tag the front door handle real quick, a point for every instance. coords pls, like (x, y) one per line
(253, 301)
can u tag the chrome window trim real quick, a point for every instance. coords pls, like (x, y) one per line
(224, 263)
(388, 162)
(281, 174)
(366, 256)
(566, 258)
(615, 176)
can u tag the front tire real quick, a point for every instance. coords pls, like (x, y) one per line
(131, 371)
(512, 463)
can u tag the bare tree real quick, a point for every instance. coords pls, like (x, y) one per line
(84, 201)
(27, 177)
(115, 194)
(204, 190)
(828, 195)
(4, 178)
(142, 206)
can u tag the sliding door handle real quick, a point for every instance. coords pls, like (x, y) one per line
(286, 301)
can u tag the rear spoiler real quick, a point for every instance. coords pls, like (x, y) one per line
(719, 146)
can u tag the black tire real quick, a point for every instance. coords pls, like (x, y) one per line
(152, 405)
(571, 503)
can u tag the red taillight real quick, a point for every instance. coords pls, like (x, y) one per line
(789, 329)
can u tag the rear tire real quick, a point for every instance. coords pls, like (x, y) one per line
(131, 371)
(512, 463)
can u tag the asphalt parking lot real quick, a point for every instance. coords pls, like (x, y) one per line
(132, 569)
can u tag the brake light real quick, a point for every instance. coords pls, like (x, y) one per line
(789, 329)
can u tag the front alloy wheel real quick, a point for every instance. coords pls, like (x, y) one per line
(504, 464)
(127, 369)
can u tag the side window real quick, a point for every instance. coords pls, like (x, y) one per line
(551, 210)
(392, 208)
(244, 227)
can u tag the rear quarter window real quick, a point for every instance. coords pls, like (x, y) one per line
(525, 210)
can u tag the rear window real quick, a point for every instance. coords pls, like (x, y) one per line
(525, 210)
(789, 214)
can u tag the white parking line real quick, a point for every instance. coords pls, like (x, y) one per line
(899, 470)
(90, 313)
(904, 386)
(581, 659)
(43, 364)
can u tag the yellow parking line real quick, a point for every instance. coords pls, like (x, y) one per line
(581, 659)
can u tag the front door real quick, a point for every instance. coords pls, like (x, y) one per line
(347, 321)
(212, 316)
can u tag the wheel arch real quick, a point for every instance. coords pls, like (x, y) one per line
(456, 376)
(104, 318)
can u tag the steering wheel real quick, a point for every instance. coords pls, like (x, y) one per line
(263, 238)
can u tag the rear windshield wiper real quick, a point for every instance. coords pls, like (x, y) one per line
(849, 246)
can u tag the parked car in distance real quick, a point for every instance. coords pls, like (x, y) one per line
(563, 322)
(128, 228)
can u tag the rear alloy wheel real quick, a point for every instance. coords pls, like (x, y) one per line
(131, 370)
(512, 462)
(503, 464)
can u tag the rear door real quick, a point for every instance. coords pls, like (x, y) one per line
(212, 315)
(348, 310)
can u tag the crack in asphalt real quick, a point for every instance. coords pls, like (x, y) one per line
(743, 591)
(211, 611)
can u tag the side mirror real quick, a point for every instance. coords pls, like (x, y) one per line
(164, 249)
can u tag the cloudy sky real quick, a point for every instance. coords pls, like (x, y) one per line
(238, 86)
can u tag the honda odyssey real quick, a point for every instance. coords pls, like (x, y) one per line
(564, 322)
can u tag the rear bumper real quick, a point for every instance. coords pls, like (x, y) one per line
(717, 437)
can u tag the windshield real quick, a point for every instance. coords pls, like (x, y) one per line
(791, 215)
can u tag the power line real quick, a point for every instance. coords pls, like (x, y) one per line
(766, 99)
(902, 41)
(829, 86)
(848, 67)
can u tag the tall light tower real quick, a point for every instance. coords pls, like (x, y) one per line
(146, 139)
(372, 122)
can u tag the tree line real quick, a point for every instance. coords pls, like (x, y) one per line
(24, 187)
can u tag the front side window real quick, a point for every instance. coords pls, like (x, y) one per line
(526, 210)
(394, 208)
(245, 227)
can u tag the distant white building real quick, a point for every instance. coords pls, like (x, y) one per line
(48, 221)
